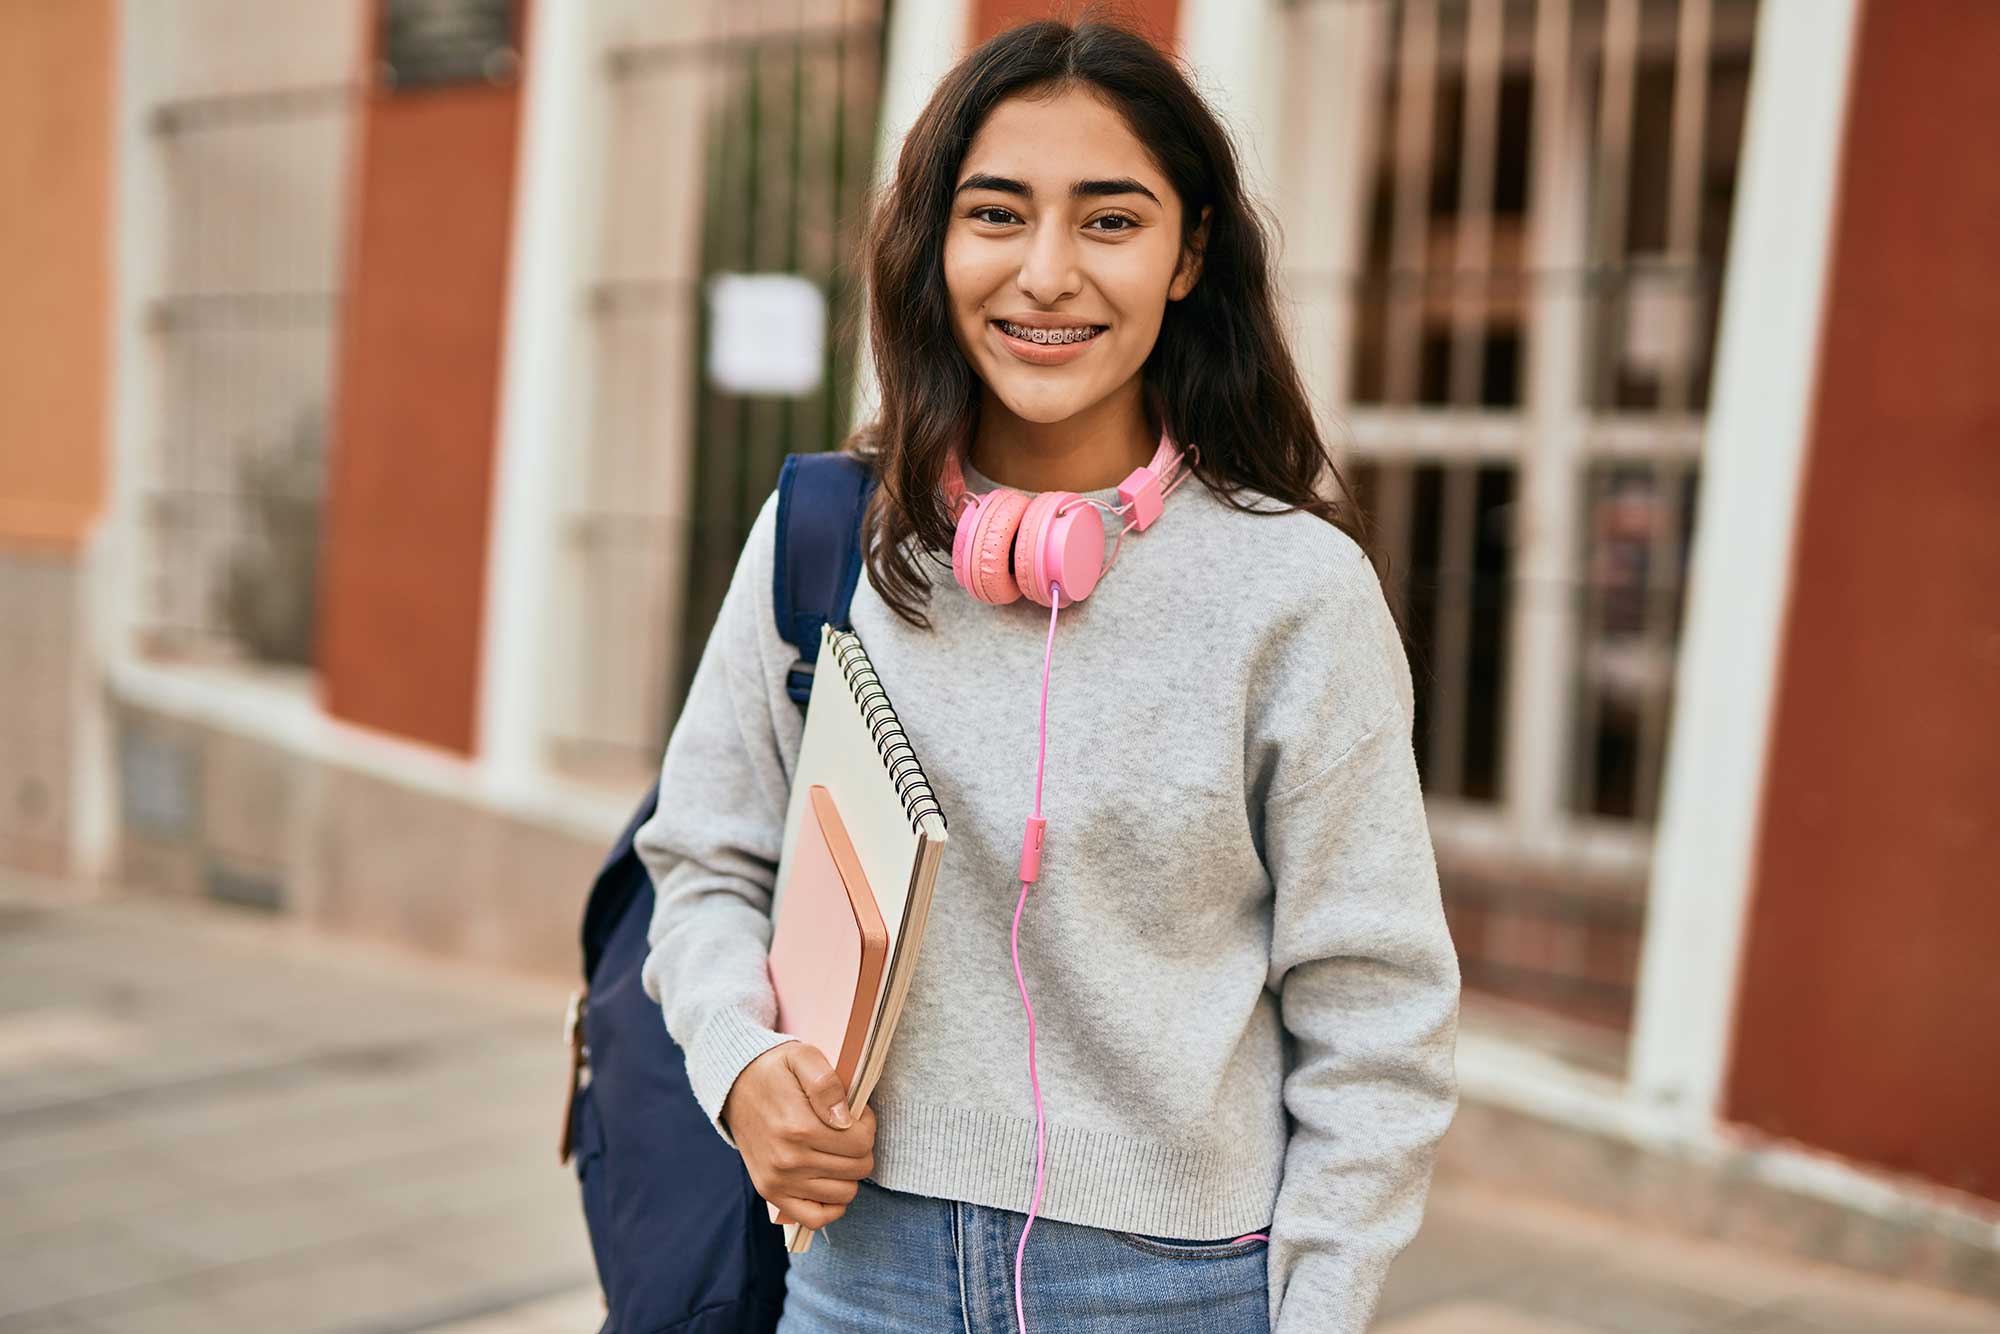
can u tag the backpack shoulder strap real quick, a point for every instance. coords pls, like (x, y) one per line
(816, 566)
(817, 561)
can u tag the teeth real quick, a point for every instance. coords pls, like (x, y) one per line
(1075, 335)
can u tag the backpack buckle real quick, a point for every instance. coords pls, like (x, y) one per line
(573, 1039)
(799, 680)
(572, 1017)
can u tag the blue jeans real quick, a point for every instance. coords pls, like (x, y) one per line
(897, 1263)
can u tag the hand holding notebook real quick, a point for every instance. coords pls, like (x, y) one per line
(799, 1158)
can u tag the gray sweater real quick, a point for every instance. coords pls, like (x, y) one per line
(1245, 998)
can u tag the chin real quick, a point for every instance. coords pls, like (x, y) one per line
(1045, 409)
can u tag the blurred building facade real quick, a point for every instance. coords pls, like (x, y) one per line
(370, 482)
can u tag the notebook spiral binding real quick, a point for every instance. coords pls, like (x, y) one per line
(899, 757)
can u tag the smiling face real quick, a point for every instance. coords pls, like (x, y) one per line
(1062, 249)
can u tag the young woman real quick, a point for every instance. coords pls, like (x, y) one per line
(1194, 1079)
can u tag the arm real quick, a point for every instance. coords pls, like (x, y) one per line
(712, 846)
(1368, 988)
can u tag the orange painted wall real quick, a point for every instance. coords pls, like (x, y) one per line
(1871, 975)
(1156, 18)
(56, 86)
(403, 566)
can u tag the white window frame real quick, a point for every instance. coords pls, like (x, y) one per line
(1330, 65)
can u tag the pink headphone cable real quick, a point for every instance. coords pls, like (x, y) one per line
(1031, 846)
(1031, 865)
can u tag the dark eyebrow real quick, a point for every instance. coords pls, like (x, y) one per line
(1007, 185)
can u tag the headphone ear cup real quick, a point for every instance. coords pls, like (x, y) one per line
(982, 543)
(1065, 548)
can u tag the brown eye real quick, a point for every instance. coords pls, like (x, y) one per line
(991, 208)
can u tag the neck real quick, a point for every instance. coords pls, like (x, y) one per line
(1094, 450)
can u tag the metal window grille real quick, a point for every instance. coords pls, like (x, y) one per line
(1515, 331)
(243, 324)
(742, 143)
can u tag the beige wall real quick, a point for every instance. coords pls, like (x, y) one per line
(56, 81)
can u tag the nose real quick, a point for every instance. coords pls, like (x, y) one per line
(1048, 271)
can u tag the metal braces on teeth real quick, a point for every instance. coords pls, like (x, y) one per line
(1048, 336)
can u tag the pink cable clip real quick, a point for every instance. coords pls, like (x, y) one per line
(1142, 494)
(1031, 849)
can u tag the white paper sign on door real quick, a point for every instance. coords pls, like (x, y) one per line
(767, 333)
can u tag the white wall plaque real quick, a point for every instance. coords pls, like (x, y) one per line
(767, 333)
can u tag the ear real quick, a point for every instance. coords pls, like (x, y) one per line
(1190, 265)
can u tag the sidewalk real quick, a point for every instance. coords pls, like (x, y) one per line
(1494, 1262)
(209, 1122)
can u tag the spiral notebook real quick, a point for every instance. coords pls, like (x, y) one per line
(864, 835)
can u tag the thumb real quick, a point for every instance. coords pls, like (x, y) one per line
(821, 1085)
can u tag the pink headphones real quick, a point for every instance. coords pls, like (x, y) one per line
(1049, 546)
(1008, 544)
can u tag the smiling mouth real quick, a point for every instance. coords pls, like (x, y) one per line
(1082, 333)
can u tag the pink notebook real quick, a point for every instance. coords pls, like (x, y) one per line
(829, 944)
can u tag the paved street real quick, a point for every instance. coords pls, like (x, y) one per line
(209, 1122)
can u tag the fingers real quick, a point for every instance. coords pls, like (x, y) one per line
(857, 1141)
(822, 1086)
(836, 1194)
(794, 1164)
(812, 1213)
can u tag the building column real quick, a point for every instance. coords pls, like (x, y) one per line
(1767, 359)
(924, 40)
(545, 375)
(1234, 49)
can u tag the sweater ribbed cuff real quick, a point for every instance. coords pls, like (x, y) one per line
(725, 1044)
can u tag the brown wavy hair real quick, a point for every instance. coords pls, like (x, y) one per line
(1219, 374)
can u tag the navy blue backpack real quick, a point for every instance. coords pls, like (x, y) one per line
(683, 1242)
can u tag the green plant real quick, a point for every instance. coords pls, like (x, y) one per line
(268, 592)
